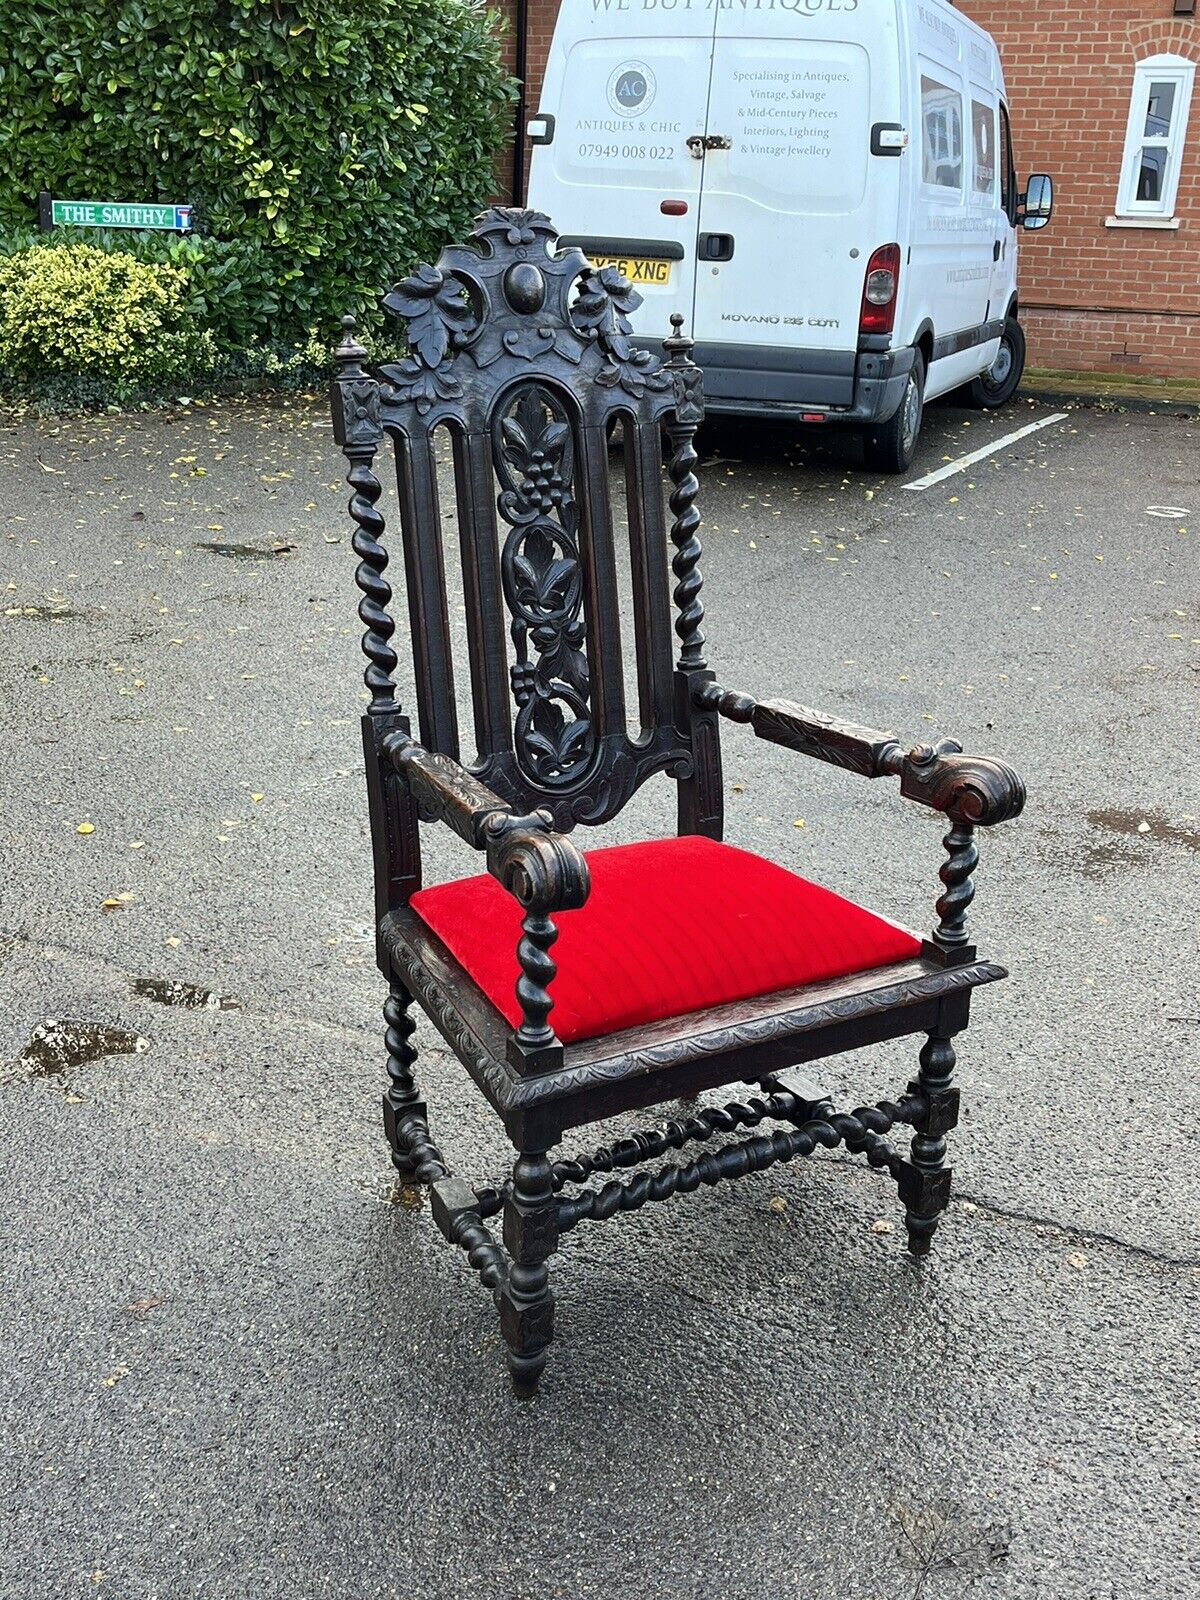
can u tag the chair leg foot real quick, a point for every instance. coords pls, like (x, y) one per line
(920, 1234)
(526, 1300)
(401, 1101)
(924, 1181)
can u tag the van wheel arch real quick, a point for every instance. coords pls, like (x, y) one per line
(924, 342)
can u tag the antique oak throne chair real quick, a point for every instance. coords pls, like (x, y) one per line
(575, 986)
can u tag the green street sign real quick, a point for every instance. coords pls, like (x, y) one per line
(113, 214)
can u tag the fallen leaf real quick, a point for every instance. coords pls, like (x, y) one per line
(1077, 1259)
(257, 797)
(799, 822)
(777, 1204)
(85, 828)
(882, 1226)
(139, 1308)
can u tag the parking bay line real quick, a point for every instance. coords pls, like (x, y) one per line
(963, 462)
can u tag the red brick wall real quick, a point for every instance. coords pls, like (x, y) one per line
(1094, 298)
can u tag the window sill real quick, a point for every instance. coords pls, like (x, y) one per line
(1141, 222)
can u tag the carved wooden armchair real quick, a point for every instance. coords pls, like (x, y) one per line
(678, 964)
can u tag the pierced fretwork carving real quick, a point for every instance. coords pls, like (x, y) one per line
(542, 572)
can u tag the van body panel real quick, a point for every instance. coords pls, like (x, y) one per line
(955, 226)
(794, 110)
(787, 190)
(628, 87)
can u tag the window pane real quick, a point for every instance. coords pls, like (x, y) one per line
(941, 128)
(1152, 168)
(1159, 109)
(983, 134)
(1007, 182)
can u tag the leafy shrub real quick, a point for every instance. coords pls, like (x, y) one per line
(324, 148)
(77, 309)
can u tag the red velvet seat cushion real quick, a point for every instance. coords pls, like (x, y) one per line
(670, 926)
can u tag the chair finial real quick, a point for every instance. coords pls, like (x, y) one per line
(678, 345)
(349, 354)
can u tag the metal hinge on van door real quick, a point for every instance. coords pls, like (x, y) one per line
(700, 142)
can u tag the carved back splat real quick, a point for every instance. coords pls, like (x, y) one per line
(522, 353)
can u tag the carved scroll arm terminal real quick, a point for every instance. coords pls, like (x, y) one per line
(543, 870)
(975, 790)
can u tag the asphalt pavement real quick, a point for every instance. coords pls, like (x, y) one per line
(241, 1364)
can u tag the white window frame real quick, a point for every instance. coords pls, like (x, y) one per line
(1155, 69)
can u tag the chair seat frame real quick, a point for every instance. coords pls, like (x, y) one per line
(530, 379)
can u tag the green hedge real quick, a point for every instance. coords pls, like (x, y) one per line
(105, 313)
(325, 147)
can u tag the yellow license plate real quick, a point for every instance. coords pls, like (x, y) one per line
(638, 269)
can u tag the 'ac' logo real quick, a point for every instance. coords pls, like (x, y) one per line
(631, 88)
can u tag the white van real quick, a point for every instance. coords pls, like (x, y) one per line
(824, 188)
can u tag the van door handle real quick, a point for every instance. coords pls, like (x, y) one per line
(714, 247)
(996, 250)
(698, 143)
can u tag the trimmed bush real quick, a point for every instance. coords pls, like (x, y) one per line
(77, 309)
(324, 148)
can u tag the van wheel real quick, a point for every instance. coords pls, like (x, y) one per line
(999, 383)
(891, 447)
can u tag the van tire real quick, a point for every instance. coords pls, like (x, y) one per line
(986, 391)
(891, 447)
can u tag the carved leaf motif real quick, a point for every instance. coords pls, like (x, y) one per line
(409, 380)
(553, 440)
(605, 301)
(517, 226)
(435, 308)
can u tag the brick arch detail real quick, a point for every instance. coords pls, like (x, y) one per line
(1179, 38)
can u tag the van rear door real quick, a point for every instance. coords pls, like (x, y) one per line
(624, 91)
(792, 201)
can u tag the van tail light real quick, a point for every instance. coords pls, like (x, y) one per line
(880, 287)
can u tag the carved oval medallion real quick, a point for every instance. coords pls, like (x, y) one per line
(524, 287)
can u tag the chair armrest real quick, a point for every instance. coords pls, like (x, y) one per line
(968, 789)
(543, 870)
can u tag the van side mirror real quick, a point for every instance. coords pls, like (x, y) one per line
(1036, 204)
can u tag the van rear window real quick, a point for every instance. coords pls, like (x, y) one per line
(941, 135)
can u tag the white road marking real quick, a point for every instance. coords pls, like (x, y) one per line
(963, 462)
